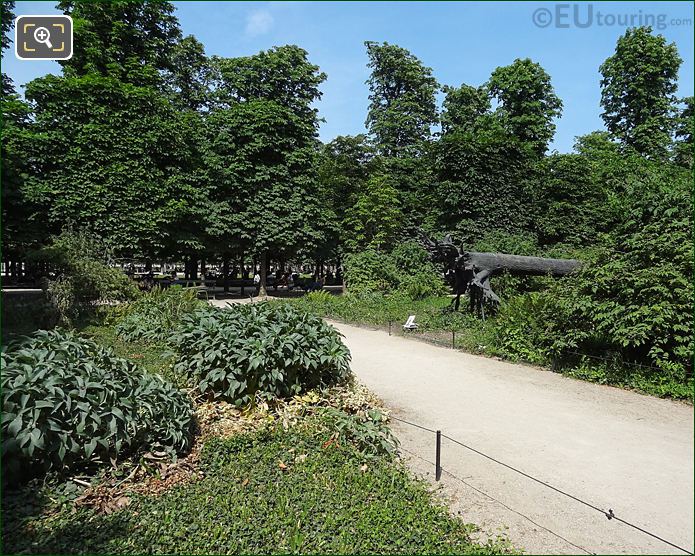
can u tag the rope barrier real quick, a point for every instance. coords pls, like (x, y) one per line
(412, 424)
(609, 514)
(502, 503)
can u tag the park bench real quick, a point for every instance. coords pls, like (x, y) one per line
(410, 324)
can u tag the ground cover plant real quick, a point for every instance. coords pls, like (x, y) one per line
(68, 402)
(277, 490)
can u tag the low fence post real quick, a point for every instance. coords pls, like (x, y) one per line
(453, 339)
(389, 328)
(438, 457)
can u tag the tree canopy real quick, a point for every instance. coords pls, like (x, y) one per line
(160, 150)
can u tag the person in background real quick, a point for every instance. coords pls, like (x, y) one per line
(257, 282)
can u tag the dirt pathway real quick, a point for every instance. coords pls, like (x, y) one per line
(613, 448)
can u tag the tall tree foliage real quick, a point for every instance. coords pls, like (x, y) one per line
(130, 40)
(402, 107)
(262, 153)
(345, 165)
(113, 156)
(6, 20)
(22, 226)
(483, 170)
(402, 111)
(189, 76)
(375, 217)
(685, 126)
(638, 88)
(527, 102)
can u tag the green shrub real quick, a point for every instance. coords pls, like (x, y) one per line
(422, 285)
(523, 328)
(369, 270)
(270, 349)
(68, 401)
(367, 431)
(84, 277)
(154, 315)
(407, 270)
(411, 257)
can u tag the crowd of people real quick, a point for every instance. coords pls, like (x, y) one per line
(276, 278)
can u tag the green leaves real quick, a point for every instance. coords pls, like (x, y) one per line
(638, 88)
(528, 103)
(268, 349)
(155, 314)
(67, 400)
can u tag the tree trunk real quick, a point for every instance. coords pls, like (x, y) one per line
(264, 272)
(519, 265)
(225, 273)
(194, 268)
(203, 269)
(241, 272)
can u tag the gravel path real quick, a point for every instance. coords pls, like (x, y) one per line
(613, 448)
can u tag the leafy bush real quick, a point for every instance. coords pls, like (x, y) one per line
(367, 432)
(84, 278)
(155, 314)
(267, 349)
(406, 270)
(523, 328)
(68, 401)
(422, 285)
(369, 270)
(635, 296)
(411, 257)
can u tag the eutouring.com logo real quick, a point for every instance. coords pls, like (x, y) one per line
(583, 16)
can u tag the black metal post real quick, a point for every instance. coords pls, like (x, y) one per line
(438, 457)
(389, 328)
(453, 339)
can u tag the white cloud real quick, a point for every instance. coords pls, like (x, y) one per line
(258, 23)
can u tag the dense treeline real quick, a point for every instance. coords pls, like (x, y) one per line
(164, 152)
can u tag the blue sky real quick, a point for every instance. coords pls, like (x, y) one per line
(462, 42)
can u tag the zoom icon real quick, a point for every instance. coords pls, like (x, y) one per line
(43, 37)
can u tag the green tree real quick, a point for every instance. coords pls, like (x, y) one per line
(401, 114)
(572, 202)
(638, 88)
(685, 125)
(112, 156)
(527, 102)
(344, 166)
(375, 217)
(131, 40)
(402, 107)
(463, 108)
(262, 153)
(190, 75)
(281, 74)
(6, 20)
(483, 173)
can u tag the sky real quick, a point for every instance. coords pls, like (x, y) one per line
(463, 42)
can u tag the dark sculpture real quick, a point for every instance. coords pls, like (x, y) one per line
(470, 271)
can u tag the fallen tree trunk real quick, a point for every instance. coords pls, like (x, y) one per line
(519, 265)
(472, 270)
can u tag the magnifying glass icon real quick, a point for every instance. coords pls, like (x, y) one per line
(43, 36)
